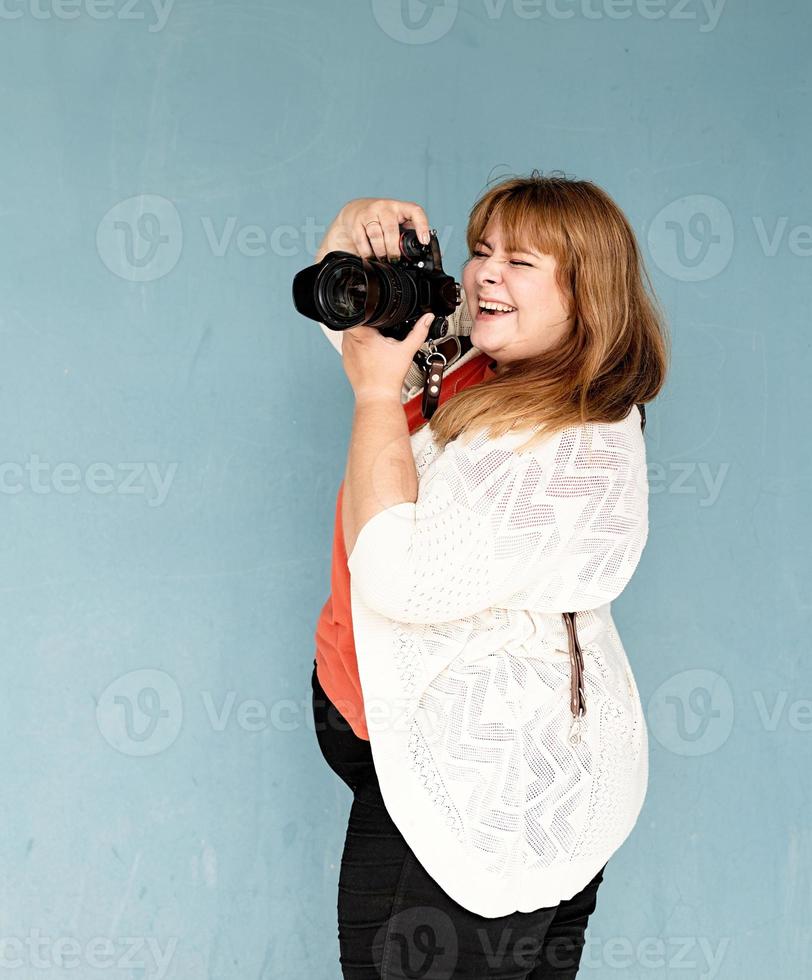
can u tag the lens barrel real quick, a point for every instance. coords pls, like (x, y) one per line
(345, 290)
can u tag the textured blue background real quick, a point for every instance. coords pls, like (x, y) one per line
(174, 435)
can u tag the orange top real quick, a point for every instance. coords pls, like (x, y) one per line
(336, 666)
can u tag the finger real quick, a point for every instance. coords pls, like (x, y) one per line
(414, 213)
(361, 241)
(387, 233)
(417, 335)
(391, 235)
(374, 232)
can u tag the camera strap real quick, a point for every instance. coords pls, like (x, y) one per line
(433, 362)
(435, 366)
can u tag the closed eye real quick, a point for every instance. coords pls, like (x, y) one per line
(513, 261)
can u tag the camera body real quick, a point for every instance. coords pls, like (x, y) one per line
(346, 290)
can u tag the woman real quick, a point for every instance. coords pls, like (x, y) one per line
(470, 686)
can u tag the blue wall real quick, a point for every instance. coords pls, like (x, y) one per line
(168, 493)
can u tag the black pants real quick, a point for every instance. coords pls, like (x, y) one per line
(395, 922)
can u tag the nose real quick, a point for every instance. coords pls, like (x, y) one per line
(489, 271)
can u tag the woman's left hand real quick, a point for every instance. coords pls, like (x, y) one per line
(377, 366)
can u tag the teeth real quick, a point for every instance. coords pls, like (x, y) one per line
(483, 305)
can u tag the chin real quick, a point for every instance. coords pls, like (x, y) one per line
(478, 334)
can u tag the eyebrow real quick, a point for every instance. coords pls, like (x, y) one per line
(518, 251)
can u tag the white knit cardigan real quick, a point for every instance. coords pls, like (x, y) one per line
(463, 658)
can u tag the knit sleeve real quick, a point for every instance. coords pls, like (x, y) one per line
(560, 527)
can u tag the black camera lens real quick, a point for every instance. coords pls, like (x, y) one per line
(344, 291)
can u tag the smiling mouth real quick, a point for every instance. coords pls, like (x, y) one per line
(492, 314)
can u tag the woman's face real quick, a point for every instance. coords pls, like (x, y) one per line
(522, 280)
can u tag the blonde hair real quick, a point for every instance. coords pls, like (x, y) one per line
(617, 353)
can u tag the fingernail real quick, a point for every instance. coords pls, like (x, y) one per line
(425, 237)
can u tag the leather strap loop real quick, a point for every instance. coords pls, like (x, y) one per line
(435, 366)
(577, 693)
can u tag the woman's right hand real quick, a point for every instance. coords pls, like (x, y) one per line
(373, 225)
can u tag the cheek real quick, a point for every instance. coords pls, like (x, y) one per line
(468, 285)
(540, 296)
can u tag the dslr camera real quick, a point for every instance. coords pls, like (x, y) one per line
(346, 290)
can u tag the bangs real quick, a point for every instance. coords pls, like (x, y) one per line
(529, 221)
